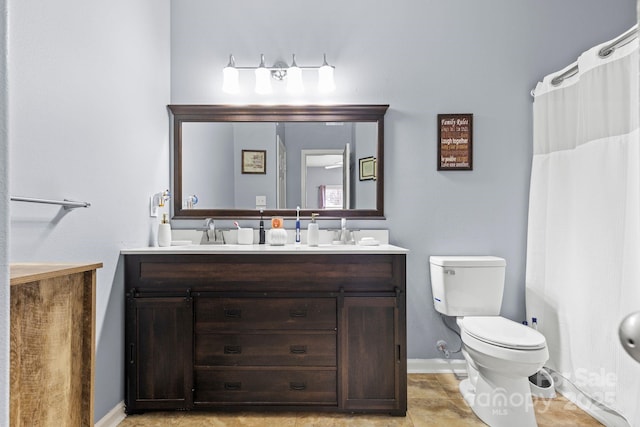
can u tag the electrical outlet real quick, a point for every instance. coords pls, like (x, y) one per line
(261, 202)
(153, 208)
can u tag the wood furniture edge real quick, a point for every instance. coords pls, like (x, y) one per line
(21, 273)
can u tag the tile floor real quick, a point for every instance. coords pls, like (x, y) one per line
(434, 400)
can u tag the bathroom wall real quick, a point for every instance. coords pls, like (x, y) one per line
(254, 136)
(89, 85)
(422, 58)
(4, 222)
(210, 165)
(366, 134)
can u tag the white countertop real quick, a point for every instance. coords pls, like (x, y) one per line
(267, 249)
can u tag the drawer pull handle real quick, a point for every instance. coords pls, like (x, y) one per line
(232, 313)
(298, 349)
(233, 386)
(298, 313)
(232, 349)
(297, 386)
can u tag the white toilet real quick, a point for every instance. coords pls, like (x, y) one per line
(501, 354)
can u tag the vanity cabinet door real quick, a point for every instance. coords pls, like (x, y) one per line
(159, 346)
(372, 355)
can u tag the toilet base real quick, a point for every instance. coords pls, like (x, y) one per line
(491, 402)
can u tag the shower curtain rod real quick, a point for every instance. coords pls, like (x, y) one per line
(602, 53)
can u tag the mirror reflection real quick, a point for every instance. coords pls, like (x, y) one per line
(239, 160)
(306, 164)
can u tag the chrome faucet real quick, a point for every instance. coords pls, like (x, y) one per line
(346, 236)
(218, 236)
(343, 230)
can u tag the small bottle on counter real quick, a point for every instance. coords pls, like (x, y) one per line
(313, 233)
(164, 232)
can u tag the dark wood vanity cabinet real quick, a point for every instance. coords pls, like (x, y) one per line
(294, 331)
(159, 343)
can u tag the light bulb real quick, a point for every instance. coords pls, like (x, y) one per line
(263, 78)
(325, 77)
(230, 77)
(294, 78)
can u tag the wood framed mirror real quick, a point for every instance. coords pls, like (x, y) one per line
(215, 145)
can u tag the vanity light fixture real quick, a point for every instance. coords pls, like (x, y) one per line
(279, 71)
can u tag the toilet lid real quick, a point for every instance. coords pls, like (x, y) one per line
(503, 332)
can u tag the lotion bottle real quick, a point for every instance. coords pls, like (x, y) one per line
(164, 232)
(313, 233)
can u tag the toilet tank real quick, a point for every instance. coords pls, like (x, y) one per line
(467, 285)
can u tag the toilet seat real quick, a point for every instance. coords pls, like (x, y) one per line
(501, 332)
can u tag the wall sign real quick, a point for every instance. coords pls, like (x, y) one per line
(254, 161)
(367, 168)
(455, 151)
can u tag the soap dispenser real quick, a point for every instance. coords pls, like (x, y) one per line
(313, 233)
(164, 232)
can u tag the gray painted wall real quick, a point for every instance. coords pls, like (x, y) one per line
(89, 89)
(208, 162)
(89, 85)
(255, 136)
(366, 135)
(422, 58)
(4, 222)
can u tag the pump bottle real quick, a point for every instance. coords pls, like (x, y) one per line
(313, 233)
(164, 232)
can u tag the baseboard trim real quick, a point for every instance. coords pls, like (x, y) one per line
(436, 366)
(113, 417)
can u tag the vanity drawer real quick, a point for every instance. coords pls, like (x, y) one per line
(215, 314)
(265, 387)
(266, 349)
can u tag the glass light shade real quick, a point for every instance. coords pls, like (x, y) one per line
(230, 80)
(263, 80)
(325, 79)
(294, 80)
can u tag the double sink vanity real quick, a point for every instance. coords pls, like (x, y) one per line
(292, 327)
(237, 326)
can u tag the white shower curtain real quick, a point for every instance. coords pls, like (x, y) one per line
(583, 252)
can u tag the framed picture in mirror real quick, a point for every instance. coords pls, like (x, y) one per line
(254, 161)
(367, 168)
